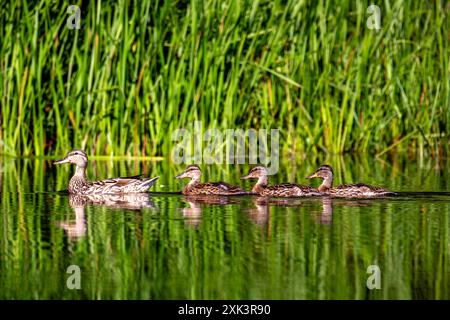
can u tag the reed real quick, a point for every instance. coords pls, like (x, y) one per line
(136, 71)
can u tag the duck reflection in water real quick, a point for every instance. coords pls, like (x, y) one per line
(261, 213)
(258, 214)
(127, 201)
(77, 228)
(327, 211)
(193, 214)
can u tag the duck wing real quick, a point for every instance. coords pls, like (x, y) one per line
(227, 187)
(133, 184)
(290, 190)
(359, 190)
(215, 188)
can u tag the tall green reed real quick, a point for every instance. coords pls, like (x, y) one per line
(136, 71)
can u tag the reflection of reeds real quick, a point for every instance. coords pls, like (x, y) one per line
(147, 255)
(131, 75)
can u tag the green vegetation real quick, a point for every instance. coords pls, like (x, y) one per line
(136, 71)
(228, 251)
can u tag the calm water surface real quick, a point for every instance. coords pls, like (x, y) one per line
(167, 246)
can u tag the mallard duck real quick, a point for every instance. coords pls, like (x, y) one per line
(358, 190)
(279, 190)
(195, 187)
(80, 185)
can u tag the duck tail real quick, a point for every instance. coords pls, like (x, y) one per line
(147, 183)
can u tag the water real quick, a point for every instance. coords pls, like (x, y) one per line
(173, 247)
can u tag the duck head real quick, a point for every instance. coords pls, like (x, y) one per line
(77, 157)
(193, 172)
(326, 173)
(256, 173)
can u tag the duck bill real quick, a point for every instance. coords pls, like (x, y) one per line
(65, 160)
(246, 177)
(314, 175)
(181, 176)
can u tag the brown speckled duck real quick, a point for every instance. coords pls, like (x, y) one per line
(358, 190)
(195, 187)
(80, 185)
(280, 190)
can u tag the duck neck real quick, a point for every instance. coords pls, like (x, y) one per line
(327, 183)
(80, 172)
(192, 183)
(79, 216)
(260, 184)
(78, 181)
(194, 180)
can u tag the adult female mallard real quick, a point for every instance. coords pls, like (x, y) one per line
(80, 185)
(280, 190)
(358, 190)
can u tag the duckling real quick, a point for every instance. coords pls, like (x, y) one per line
(279, 190)
(359, 190)
(79, 184)
(195, 187)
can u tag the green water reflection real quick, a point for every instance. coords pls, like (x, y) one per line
(167, 246)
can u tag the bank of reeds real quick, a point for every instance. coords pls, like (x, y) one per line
(136, 71)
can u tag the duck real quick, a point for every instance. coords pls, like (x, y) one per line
(79, 184)
(195, 187)
(358, 190)
(280, 190)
